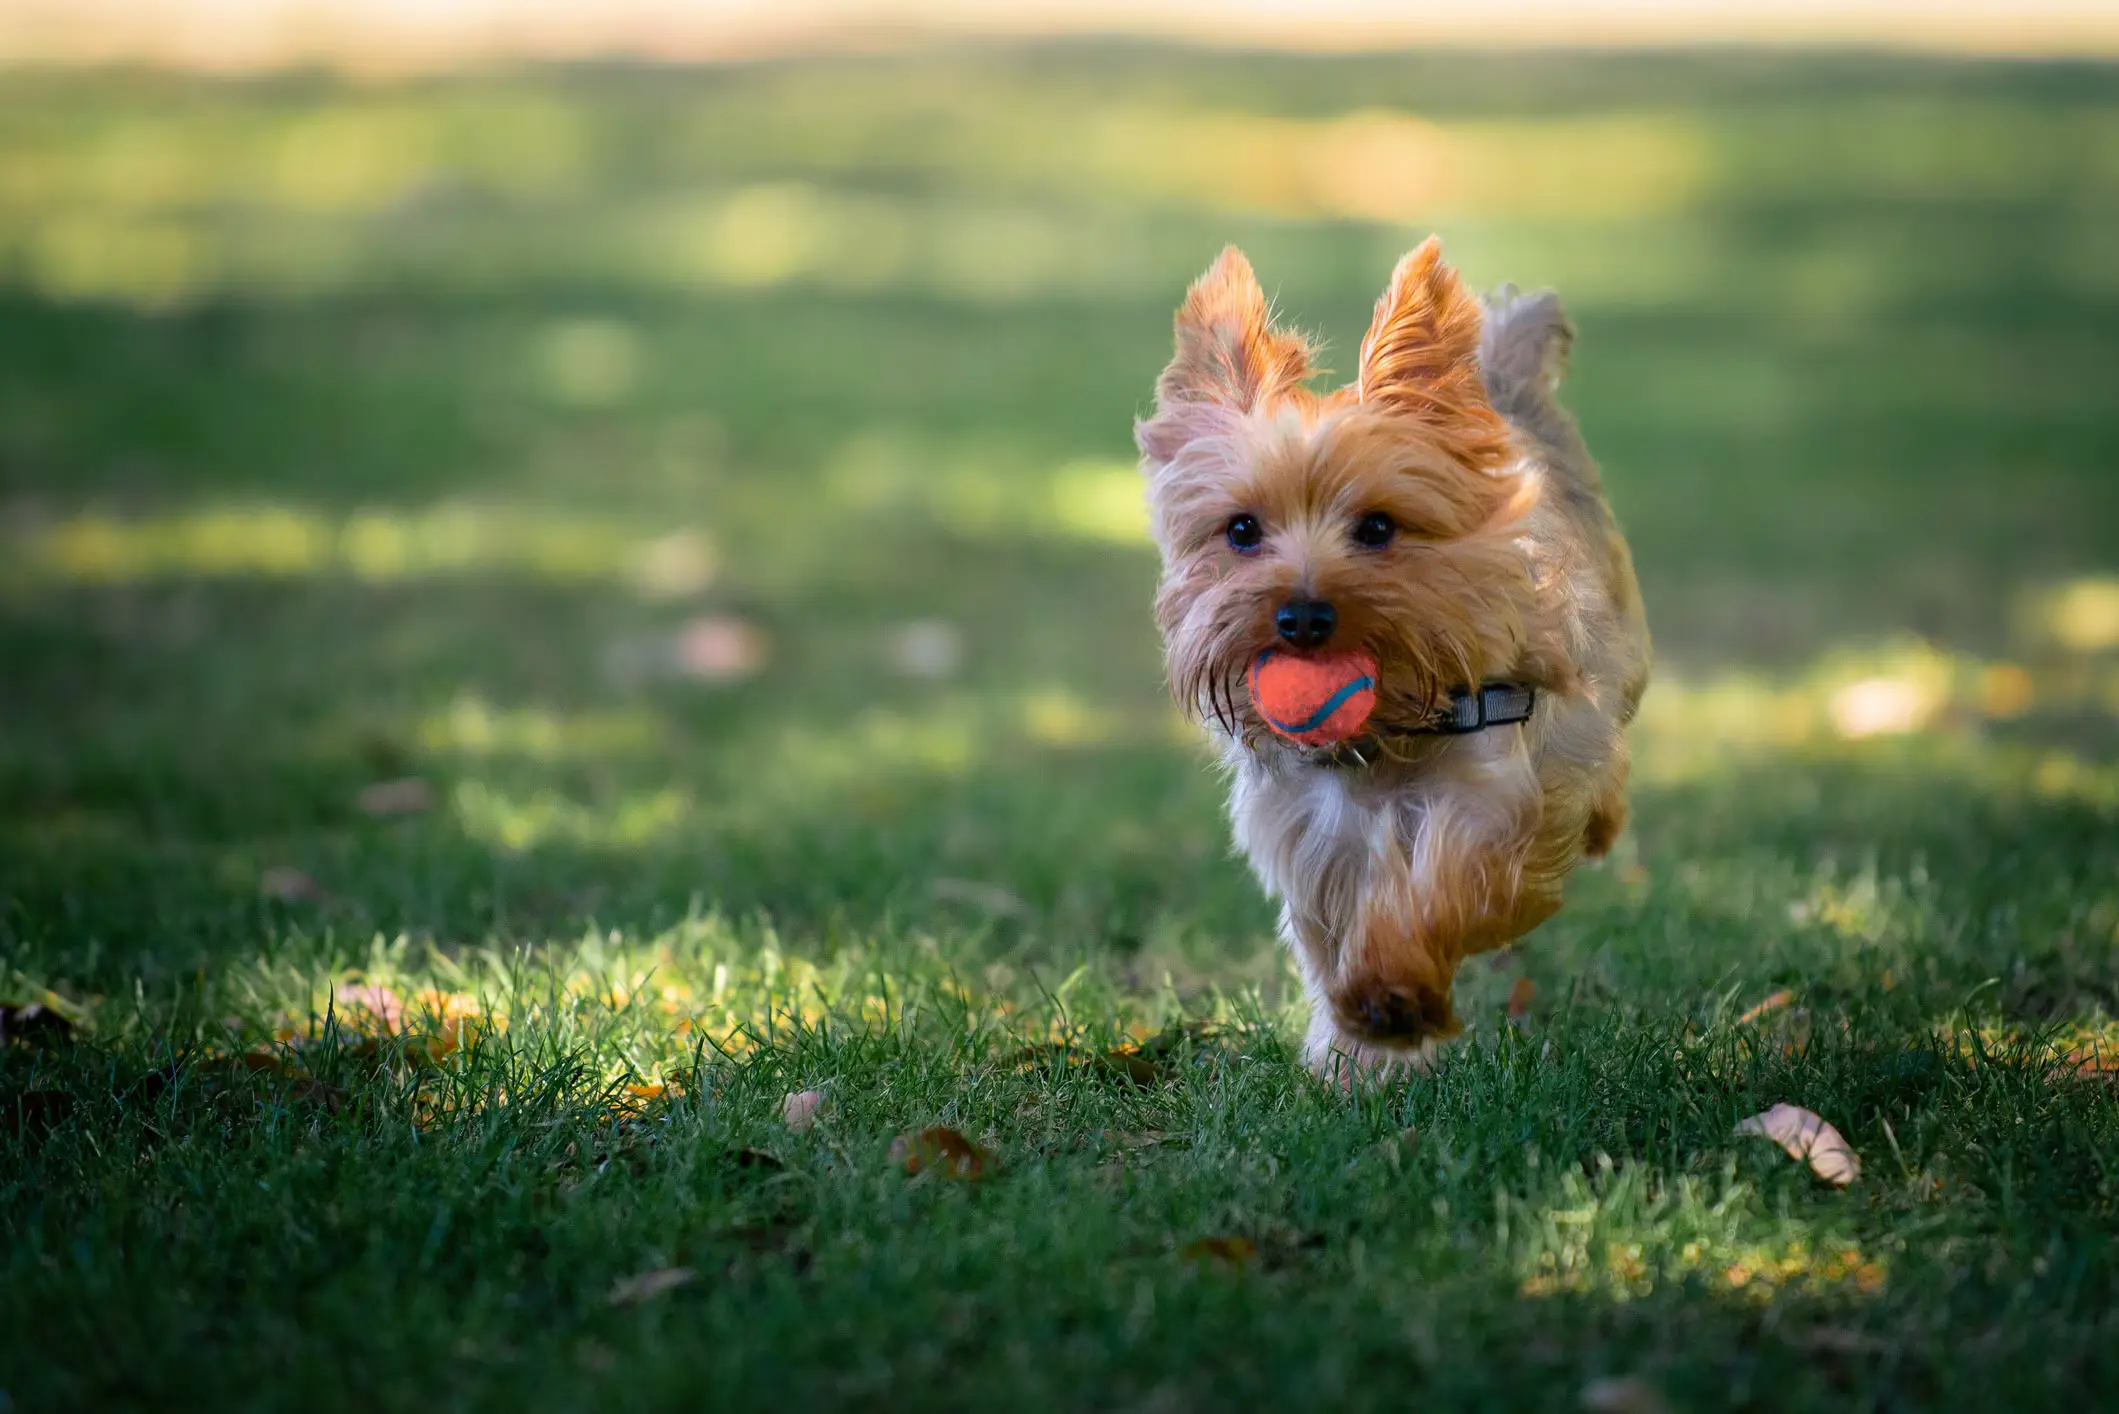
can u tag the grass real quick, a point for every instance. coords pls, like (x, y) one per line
(713, 488)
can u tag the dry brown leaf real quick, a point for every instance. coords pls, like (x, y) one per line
(2094, 1063)
(1520, 998)
(290, 886)
(942, 1151)
(408, 796)
(802, 1109)
(1807, 1137)
(648, 1285)
(1772, 1003)
(1795, 1033)
(1228, 1253)
(379, 1002)
(1132, 1066)
(1174, 1040)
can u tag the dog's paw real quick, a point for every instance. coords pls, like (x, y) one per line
(1350, 1065)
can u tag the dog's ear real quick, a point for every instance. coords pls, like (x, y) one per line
(1228, 351)
(1230, 359)
(1420, 358)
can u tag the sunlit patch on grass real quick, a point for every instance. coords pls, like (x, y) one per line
(589, 362)
(1391, 166)
(286, 542)
(1628, 1230)
(2081, 615)
(1689, 723)
(1100, 500)
(772, 232)
(151, 262)
(526, 820)
(472, 726)
(983, 488)
(1054, 716)
(1865, 908)
(1892, 703)
(654, 1007)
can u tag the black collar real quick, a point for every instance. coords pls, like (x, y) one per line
(1495, 704)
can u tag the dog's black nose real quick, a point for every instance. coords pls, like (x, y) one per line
(1306, 623)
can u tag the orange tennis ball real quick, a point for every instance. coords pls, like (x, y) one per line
(1315, 698)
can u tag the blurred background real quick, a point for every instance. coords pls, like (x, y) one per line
(486, 471)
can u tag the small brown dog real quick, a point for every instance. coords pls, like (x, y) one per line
(1443, 516)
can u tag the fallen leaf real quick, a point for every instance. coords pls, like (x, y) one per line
(1805, 1136)
(1628, 1394)
(718, 648)
(407, 796)
(1520, 998)
(2094, 1063)
(1795, 1034)
(38, 1112)
(649, 1285)
(378, 1001)
(1228, 1253)
(1144, 1064)
(1771, 1004)
(1032, 1057)
(34, 1024)
(802, 1109)
(290, 886)
(1133, 1067)
(943, 1151)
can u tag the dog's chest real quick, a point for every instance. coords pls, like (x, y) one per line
(1320, 839)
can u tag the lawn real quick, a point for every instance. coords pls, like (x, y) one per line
(544, 614)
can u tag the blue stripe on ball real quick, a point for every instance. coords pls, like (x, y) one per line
(1323, 714)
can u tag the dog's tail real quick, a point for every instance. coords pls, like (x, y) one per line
(1523, 356)
(1523, 352)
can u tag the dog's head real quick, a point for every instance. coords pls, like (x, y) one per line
(1379, 517)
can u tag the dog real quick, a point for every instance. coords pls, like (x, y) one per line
(1441, 514)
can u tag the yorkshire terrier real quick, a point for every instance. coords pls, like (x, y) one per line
(1442, 515)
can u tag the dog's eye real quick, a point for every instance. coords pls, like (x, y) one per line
(1245, 533)
(1375, 530)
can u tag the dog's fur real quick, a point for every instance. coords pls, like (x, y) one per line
(1507, 566)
